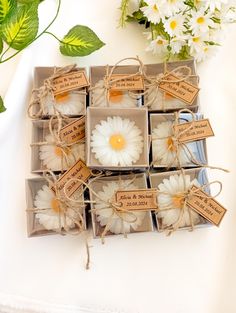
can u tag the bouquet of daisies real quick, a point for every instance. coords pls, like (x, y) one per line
(178, 29)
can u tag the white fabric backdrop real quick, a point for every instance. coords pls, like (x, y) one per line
(147, 273)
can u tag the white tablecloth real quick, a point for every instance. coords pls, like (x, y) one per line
(146, 273)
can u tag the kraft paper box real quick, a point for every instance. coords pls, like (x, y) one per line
(41, 134)
(158, 178)
(34, 228)
(119, 97)
(139, 116)
(159, 101)
(78, 96)
(160, 153)
(101, 184)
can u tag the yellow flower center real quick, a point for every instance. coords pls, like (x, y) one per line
(62, 97)
(55, 205)
(205, 49)
(155, 8)
(178, 201)
(117, 142)
(200, 20)
(59, 151)
(170, 144)
(173, 25)
(115, 96)
(196, 39)
(160, 42)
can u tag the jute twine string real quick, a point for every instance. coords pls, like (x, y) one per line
(152, 84)
(186, 196)
(109, 81)
(65, 147)
(39, 94)
(181, 146)
(125, 215)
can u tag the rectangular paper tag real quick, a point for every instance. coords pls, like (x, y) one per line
(184, 91)
(140, 199)
(74, 131)
(132, 83)
(80, 171)
(68, 82)
(200, 130)
(209, 208)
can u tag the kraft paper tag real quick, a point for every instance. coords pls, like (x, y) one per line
(78, 171)
(209, 208)
(132, 83)
(134, 200)
(74, 131)
(68, 82)
(200, 130)
(183, 90)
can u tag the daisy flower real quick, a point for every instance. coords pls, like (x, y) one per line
(70, 103)
(53, 156)
(117, 98)
(117, 142)
(45, 199)
(172, 7)
(176, 43)
(214, 4)
(197, 42)
(200, 22)
(164, 149)
(153, 11)
(174, 25)
(172, 194)
(205, 52)
(104, 211)
(158, 46)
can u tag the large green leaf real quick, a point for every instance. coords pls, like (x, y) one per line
(6, 6)
(80, 41)
(1, 45)
(21, 27)
(2, 108)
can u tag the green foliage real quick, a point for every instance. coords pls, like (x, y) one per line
(2, 108)
(1, 45)
(6, 7)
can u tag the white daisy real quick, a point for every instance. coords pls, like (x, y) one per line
(174, 25)
(158, 46)
(200, 22)
(214, 4)
(57, 159)
(104, 210)
(70, 103)
(177, 43)
(172, 7)
(205, 52)
(164, 149)
(117, 98)
(117, 142)
(49, 218)
(172, 195)
(197, 42)
(153, 11)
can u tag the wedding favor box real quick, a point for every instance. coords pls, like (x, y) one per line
(100, 186)
(164, 150)
(158, 178)
(34, 227)
(120, 95)
(138, 115)
(71, 103)
(45, 151)
(158, 100)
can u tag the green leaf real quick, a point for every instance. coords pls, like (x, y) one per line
(2, 108)
(80, 41)
(1, 45)
(6, 6)
(21, 27)
(28, 1)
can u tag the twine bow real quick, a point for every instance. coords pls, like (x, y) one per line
(39, 94)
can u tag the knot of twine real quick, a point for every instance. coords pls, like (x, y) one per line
(39, 94)
(182, 146)
(186, 196)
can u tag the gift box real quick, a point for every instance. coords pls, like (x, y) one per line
(71, 103)
(51, 149)
(171, 186)
(105, 94)
(158, 100)
(43, 210)
(117, 139)
(165, 152)
(104, 188)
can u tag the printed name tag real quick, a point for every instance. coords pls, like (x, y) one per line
(124, 83)
(74, 131)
